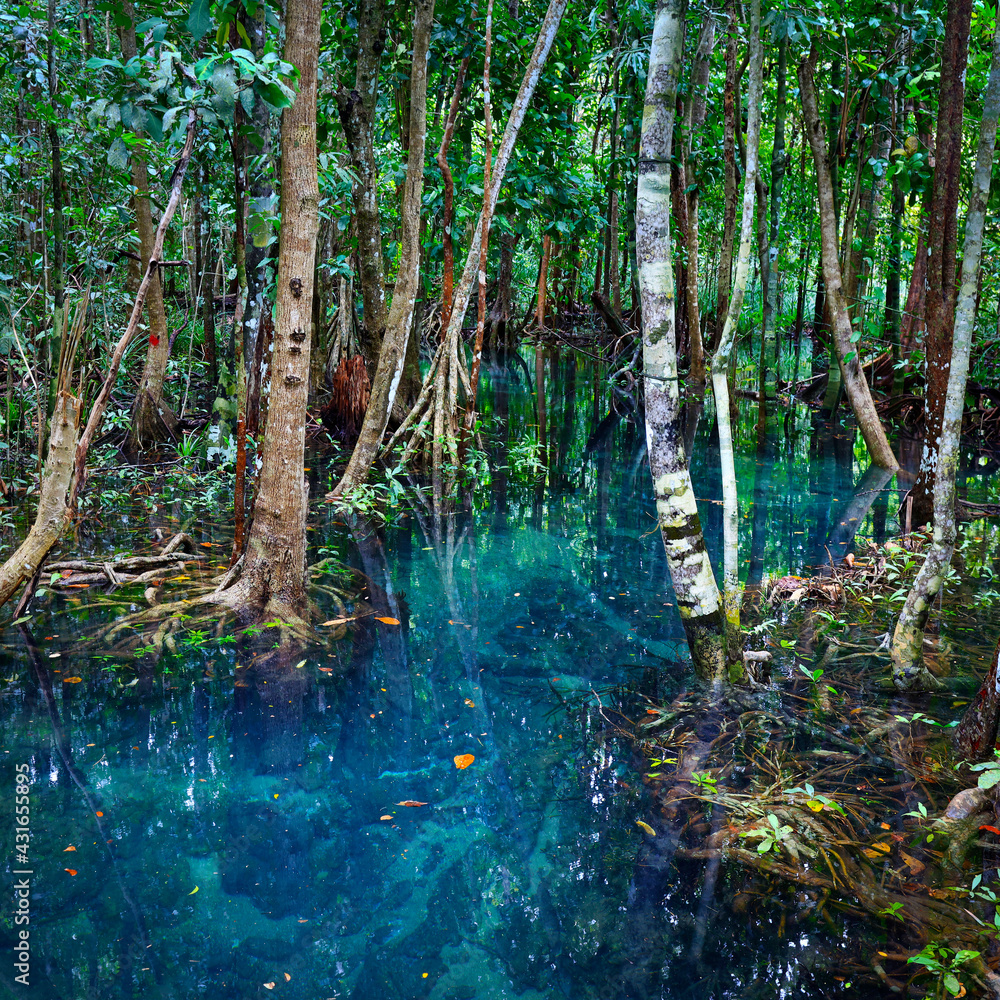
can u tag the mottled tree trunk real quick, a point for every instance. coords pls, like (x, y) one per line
(908, 671)
(725, 273)
(677, 510)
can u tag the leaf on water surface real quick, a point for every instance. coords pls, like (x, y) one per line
(70, 848)
(470, 703)
(388, 621)
(645, 827)
(193, 891)
(410, 802)
(72, 871)
(463, 760)
(387, 816)
(288, 978)
(72, 680)
(300, 664)
(992, 829)
(912, 863)
(268, 986)
(326, 670)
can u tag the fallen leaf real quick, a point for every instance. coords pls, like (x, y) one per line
(463, 760)
(300, 664)
(288, 978)
(992, 829)
(205, 545)
(815, 805)
(193, 891)
(912, 863)
(98, 813)
(337, 621)
(72, 680)
(268, 986)
(645, 827)
(91, 744)
(77, 584)
(410, 802)
(877, 851)
(885, 826)
(388, 621)
(70, 848)
(386, 816)
(470, 703)
(72, 871)
(326, 670)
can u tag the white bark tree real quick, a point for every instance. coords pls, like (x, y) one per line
(698, 599)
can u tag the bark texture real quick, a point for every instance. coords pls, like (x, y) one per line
(677, 510)
(273, 576)
(908, 671)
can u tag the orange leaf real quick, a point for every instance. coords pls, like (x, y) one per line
(388, 621)
(72, 680)
(77, 584)
(205, 545)
(268, 986)
(72, 871)
(463, 760)
(385, 817)
(326, 670)
(470, 703)
(98, 813)
(992, 829)
(70, 848)
(410, 802)
(288, 978)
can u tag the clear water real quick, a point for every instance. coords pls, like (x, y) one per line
(206, 828)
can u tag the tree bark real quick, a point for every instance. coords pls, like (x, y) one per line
(942, 288)
(357, 116)
(272, 582)
(908, 671)
(677, 510)
(858, 391)
(725, 272)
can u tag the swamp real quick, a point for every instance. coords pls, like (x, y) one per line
(613, 619)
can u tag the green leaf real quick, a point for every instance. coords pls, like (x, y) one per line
(951, 984)
(118, 155)
(272, 94)
(989, 778)
(96, 63)
(199, 20)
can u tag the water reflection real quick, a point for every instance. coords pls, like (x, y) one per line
(241, 814)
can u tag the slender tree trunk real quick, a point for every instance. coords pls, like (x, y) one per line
(769, 272)
(393, 353)
(695, 119)
(858, 391)
(908, 671)
(207, 285)
(690, 570)
(273, 581)
(357, 116)
(486, 217)
(942, 288)
(725, 272)
(152, 419)
(727, 340)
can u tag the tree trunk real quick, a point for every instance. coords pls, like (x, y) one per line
(357, 116)
(727, 340)
(725, 272)
(677, 510)
(908, 671)
(942, 289)
(769, 272)
(272, 582)
(153, 420)
(858, 391)
(393, 353)
(689, 173)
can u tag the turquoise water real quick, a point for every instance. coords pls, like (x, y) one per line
(207, 827)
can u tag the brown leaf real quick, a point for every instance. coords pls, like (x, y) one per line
(410, 802)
